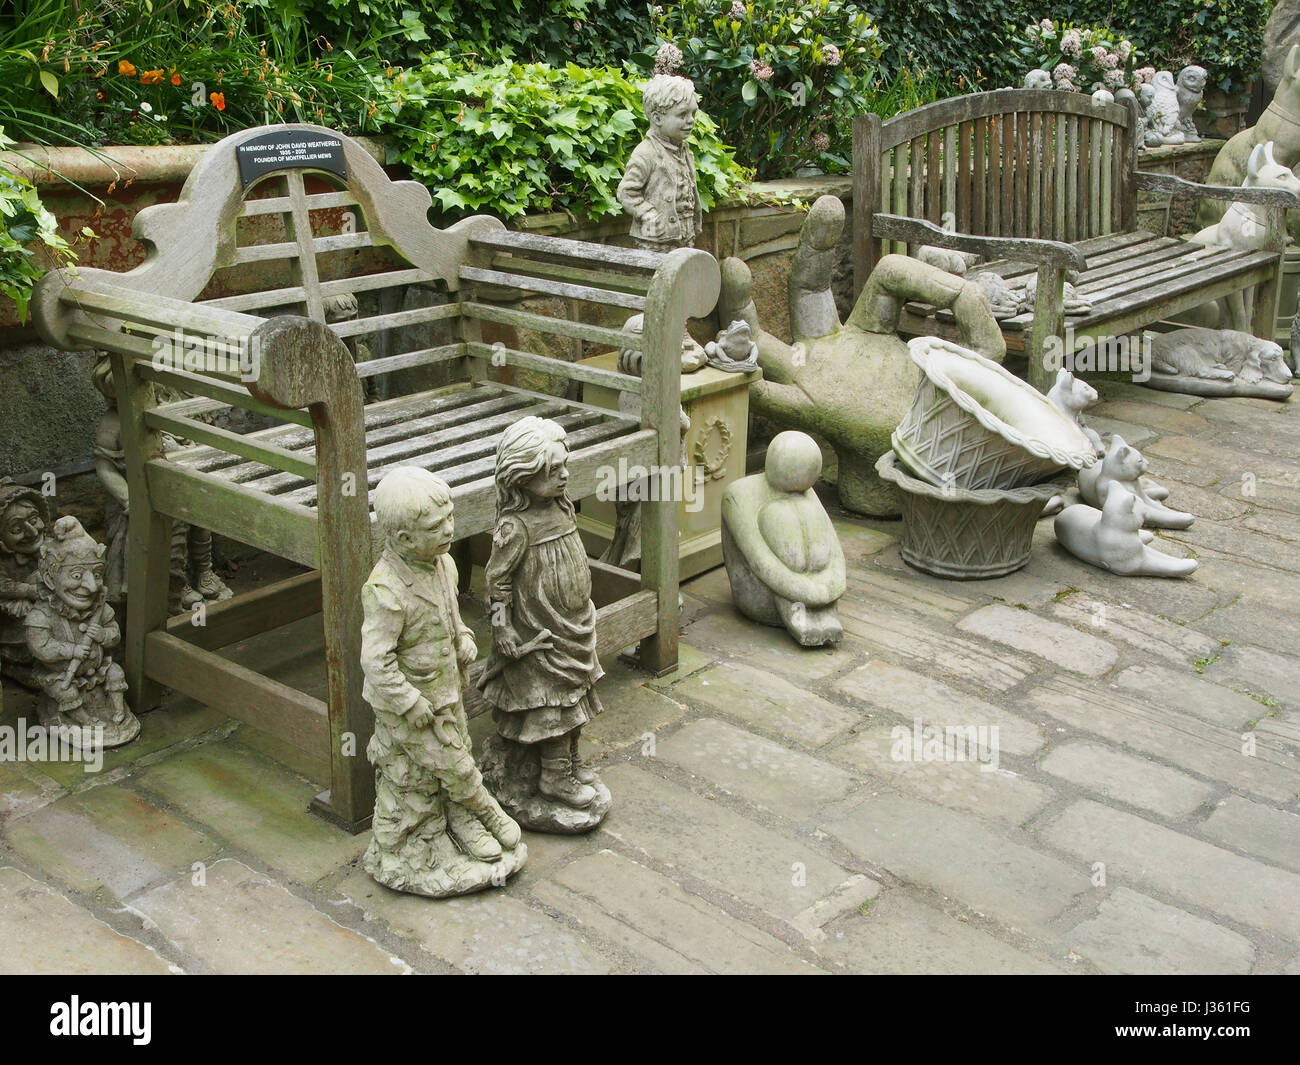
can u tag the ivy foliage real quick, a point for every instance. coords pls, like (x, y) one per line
(29, 239)
(509, 138)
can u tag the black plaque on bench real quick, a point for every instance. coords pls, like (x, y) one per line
(290, 149)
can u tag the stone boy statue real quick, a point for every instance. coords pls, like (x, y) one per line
(540, 677)
(429, 794)
(70, 632)
(658, 188)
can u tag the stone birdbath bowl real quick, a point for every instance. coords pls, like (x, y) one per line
(974, 425)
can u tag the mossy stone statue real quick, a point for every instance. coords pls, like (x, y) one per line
(783, 559)
(850, 383)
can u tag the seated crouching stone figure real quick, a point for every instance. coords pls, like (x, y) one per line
(429, 794)
(70, 632)
(783, 559)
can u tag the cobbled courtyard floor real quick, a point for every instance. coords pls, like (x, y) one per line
(1139, 814)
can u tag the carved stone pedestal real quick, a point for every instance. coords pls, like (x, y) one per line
(717, 404)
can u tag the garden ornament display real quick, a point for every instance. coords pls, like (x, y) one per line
(734, 349)
(24, 518)
(852, 383)
(192, 577)
(1112, 538)
(1103, 96)
(1190, 87)
(658, 188)
(784, 561)
(1037, 79)
(1124, 466)
(1163, 113)
(437, 830)
(540, 676)
(1280, 123)
(1218, 362)
(70, 631)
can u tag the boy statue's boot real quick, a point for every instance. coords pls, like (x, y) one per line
(487, 811)
(474, 839)
(580, 772)
(557, 779)
(180, 594)
(206, 581)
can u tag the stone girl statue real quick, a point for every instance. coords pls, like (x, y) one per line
(192, 577)
(541, 673)
(70, 631)
(23, 518)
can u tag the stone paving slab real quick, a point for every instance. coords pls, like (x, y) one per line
(1136, 851)
(962, 857)
(652, 917)
(1136, 934)
(44, 933)
(725, 632)
(1126, 778)
(1137, 628)
(1065, 646)
(1263, 831)
(239, 921)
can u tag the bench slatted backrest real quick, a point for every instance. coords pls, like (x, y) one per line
(1009, 163)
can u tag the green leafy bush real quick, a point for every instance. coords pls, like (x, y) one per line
(28, 234)
(780, 79)
(510, 138)
(965, 43)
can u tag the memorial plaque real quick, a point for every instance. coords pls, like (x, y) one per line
(290, 149)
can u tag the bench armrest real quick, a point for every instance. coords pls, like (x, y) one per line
(1021, 249)
(1178, 186)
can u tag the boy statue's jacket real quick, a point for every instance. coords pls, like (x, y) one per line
(409, 636)
(651, 179)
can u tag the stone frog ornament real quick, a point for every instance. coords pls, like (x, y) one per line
(783, 559)
(541, 674)
(70, 631)
(437, 830)
(734, 349)
(850, 383)
(24, 518)
(1124, 466)
(1219, 362)
(1113, 539)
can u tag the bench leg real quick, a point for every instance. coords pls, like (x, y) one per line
(1048, 327)
(148, 576)
(659, 571)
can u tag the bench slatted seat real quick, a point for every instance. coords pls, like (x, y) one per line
(1045, 183)
(256, 272)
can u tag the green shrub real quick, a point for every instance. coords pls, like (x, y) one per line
(780, 79)
(1079, 58)
(509, 138)
(28, 235)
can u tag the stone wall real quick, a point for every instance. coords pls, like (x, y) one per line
(1174, 215)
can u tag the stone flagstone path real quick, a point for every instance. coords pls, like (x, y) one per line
(762, 820)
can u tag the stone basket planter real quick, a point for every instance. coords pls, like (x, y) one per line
(976, 425)
(967, 534)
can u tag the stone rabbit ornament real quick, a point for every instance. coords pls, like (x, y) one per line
(541, 674)
(1112, 538)
(784, 561)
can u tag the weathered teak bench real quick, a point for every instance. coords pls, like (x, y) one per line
(299, 489)
(1045, 182)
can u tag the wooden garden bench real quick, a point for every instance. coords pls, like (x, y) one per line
(300, 488)
(1045, 182)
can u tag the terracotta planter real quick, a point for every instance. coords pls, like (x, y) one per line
(974, 424)
(965, 534)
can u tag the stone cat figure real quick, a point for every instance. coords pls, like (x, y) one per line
(1124, 465)
(1112, 538)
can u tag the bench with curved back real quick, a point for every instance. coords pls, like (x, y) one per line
(300, 488)
(1045, 182)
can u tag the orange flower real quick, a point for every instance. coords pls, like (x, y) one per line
(100, 95)
(126, 67)
(176, 78)
(151, 77)
(218, 100)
